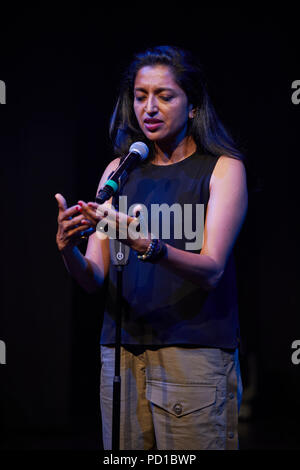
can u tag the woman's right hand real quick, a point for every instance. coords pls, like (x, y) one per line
(72, 228)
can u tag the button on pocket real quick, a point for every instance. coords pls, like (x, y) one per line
(180, 399)
(177, 408)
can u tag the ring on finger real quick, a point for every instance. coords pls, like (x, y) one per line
(83, 235)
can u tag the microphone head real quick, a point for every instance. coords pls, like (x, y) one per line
(140, 148)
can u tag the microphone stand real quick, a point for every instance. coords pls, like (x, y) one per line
(119, 257)
(119, 254)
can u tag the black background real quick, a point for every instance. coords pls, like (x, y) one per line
(62, 70)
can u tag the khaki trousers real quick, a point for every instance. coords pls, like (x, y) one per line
(173, 398)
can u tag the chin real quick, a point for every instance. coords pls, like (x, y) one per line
(155, 136)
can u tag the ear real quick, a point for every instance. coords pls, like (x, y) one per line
(192, 111)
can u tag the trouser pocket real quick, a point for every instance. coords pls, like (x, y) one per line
(186, 416)
(180, 399)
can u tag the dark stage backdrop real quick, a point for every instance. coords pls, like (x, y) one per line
(62, 71)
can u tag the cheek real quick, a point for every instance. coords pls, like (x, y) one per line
(137, 111)
(178, 115)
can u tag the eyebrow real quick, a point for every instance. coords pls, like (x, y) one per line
(158, 90)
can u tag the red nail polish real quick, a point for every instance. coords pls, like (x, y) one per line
(80, 203)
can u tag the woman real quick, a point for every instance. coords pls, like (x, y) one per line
(181, 385)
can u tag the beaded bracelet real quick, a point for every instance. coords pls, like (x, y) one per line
(155, 251)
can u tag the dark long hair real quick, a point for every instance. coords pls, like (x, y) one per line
(206, 128)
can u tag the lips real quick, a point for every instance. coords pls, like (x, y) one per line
(152, 124)
(152, 121)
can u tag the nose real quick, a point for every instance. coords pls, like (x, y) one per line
(151, 107)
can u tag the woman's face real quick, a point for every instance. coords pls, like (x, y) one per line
(161, 106)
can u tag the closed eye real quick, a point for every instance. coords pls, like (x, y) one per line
(139, 98)
(166, 98)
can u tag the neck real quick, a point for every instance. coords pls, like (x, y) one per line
(168, 153)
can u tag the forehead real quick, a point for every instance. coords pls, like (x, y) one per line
(155, 76)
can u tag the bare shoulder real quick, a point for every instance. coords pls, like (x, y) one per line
(112, 166)
(228, 170)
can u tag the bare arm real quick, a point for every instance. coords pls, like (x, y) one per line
(226, 211)
(225, 214)
(84, 271)
(90, 270)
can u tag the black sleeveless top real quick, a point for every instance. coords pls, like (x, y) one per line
(159, 306)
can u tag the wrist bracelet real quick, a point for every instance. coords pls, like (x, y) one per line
(155, 251)
(148, 253)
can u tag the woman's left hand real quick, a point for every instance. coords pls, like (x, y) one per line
(119, 225)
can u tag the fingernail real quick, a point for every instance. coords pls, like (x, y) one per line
(80, 203)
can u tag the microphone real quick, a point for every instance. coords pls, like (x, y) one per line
(137, 153)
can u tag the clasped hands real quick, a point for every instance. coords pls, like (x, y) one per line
(80, 221)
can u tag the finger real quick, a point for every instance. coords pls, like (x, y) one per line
(88, 212)
(61, 202)
(70, 212)
(82, 203)
(103, 209)
(91, 216)
(76, 221)
(88, 222)
(124, 219)
(94, 205)
(80, 231)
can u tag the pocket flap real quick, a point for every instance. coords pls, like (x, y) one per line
(180, 399)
